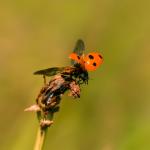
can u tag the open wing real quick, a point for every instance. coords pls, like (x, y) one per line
(49, 71)
(78, 49)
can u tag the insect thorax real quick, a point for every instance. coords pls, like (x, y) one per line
(80, 75)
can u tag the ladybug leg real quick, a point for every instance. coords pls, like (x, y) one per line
(44, 77)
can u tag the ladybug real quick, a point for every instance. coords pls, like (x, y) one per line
(90, 62)
(68, 78)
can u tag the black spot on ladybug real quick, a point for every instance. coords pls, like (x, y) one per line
(94, 64)
(100, 56)
(91, 57)
(78, 57)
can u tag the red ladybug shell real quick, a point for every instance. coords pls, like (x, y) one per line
(75, 57)
(92, 61)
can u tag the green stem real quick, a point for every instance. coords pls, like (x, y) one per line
(41, 134)
(40, 138)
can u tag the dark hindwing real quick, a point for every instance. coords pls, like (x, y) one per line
(78, 49)
(49, 71)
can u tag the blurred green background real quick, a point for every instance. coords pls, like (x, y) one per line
(113, 112)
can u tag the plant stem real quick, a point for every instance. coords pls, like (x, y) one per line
(42, 130)
(40, 138)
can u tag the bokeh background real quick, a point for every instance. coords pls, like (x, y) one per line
(113, 112)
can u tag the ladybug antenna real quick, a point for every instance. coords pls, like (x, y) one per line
(90, 78)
